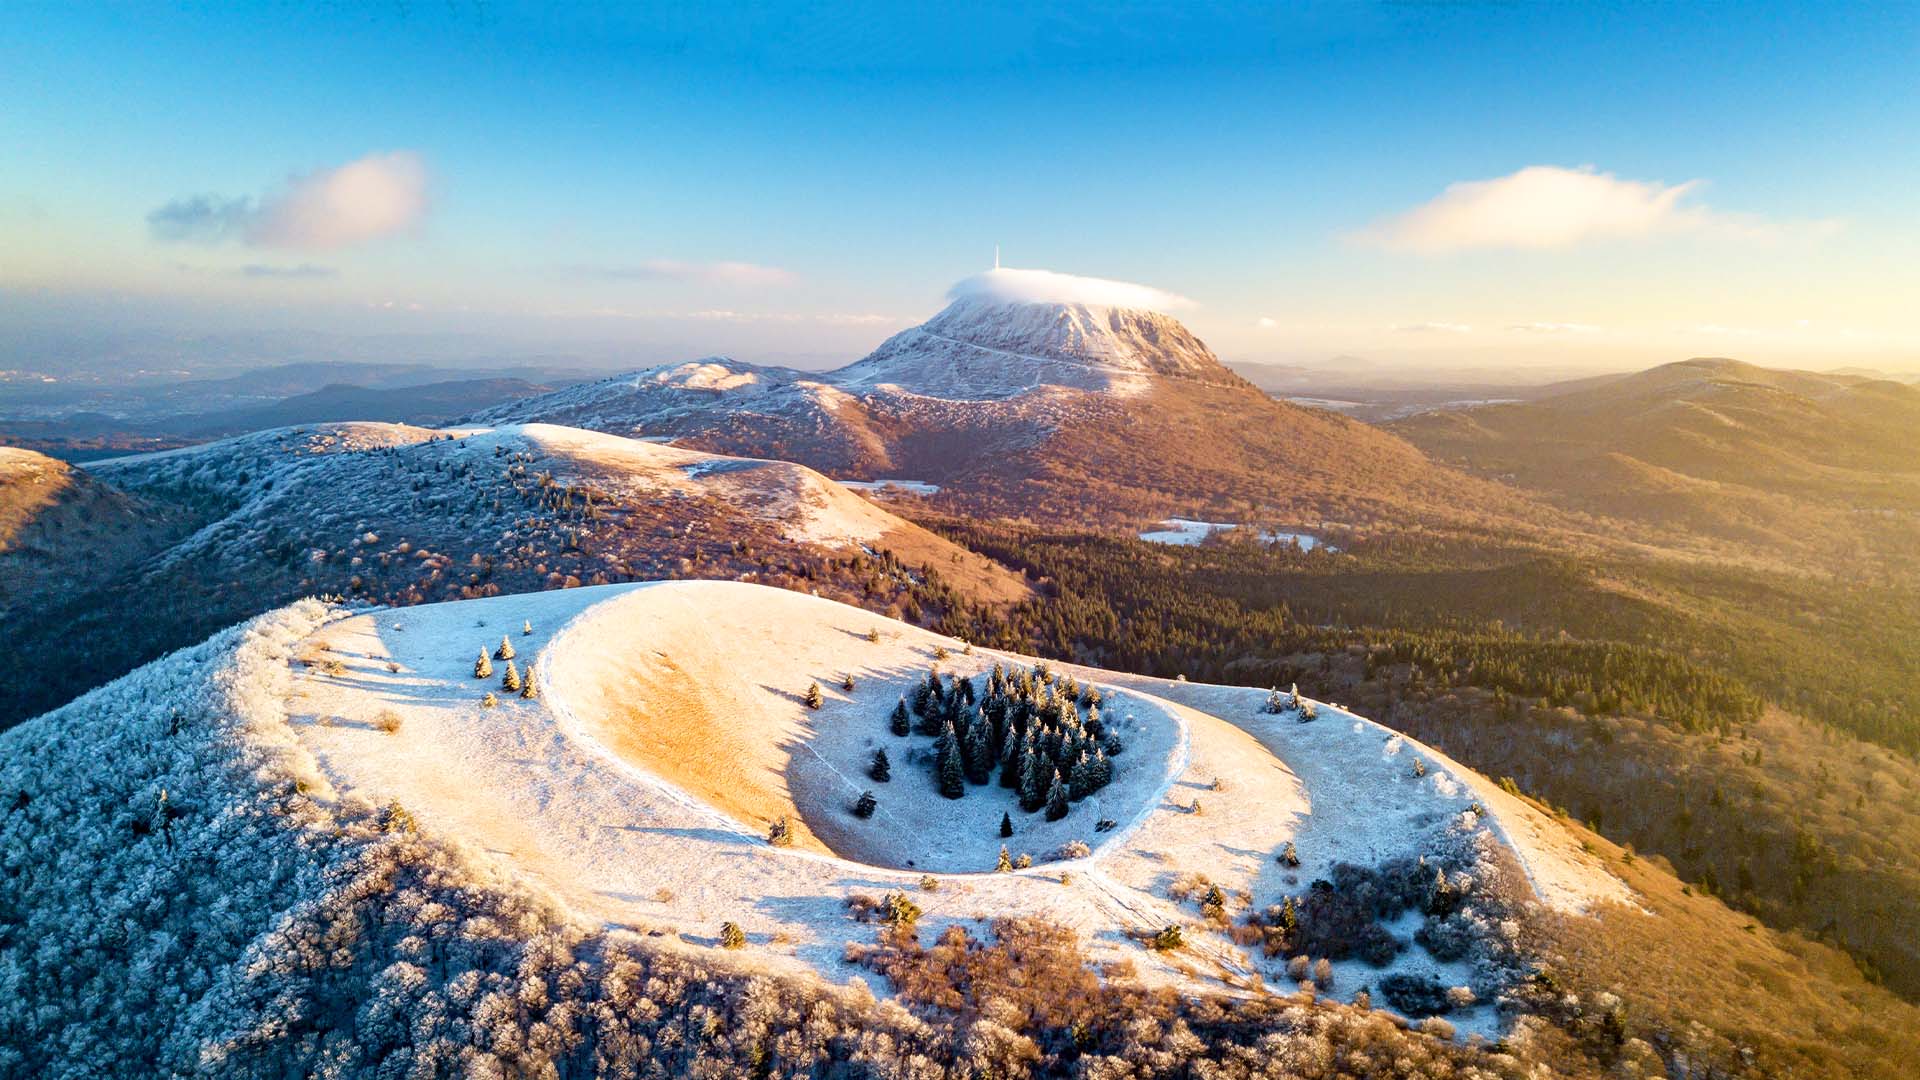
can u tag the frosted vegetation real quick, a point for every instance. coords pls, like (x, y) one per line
(187, 897)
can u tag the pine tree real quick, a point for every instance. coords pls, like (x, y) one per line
(528, 690)
(1005, 865)
(1276, 703)
(482, 668)
(510, 680)
(505, 651)
(526, 627)
(953, 780)
(1006, 826)
(731, 936)
(1080, 778)
(881, 770)
(1010, 762)
(846, 684)
(1033, 791)
(866, 806)
(978, 759)
(780, 834)
(489, 701)
(1056, 798)
(814, 699)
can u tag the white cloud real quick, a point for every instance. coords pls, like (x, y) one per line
(1553, 328)
(1010, 286)
(375, 197)
(1544, 207)
(1265, 323)
(1434, 328)
(722, 273)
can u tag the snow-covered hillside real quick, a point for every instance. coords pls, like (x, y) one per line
(309, 847)
(670, 732)
(160, 550)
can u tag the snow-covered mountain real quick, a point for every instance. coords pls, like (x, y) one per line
(987, 347)
(1027, 388)
(311, 847)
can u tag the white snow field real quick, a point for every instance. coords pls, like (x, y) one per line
(1187, 532)
(637, 790)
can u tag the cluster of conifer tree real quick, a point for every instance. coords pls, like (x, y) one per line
(1040, 734)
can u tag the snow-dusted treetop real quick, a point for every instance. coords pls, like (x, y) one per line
(1010, 286)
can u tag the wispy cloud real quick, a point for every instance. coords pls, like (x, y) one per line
(200, 219)
(1545, 207)
(1552, 328)
(720, 273)
(262, 270)
(1434, 328)
(827, 318)
(1265, 323)
(302, 270)
(372, 198)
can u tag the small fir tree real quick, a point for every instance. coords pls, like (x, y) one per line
(1005, 865)
(899, 724)
(1033, 781)
(505, 651)
(881, 770)
(780, 834)
(978, 759)
(528, 688)
(814, 699)
(489, 701)
(953, 779)
(1056, 798)
(846, 684)
(510, 679)
(867, 804)
(526, 627)
(483, 668)
(1006, 826)
(731, 936)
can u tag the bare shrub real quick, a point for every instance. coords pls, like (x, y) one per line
(388, 721)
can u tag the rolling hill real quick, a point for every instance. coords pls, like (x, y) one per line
(393, 514)
(1816, 466)
(312, 845)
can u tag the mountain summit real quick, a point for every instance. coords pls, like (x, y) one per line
(1032, 387)
(991, 346)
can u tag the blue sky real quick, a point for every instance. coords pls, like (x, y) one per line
(792, 183)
